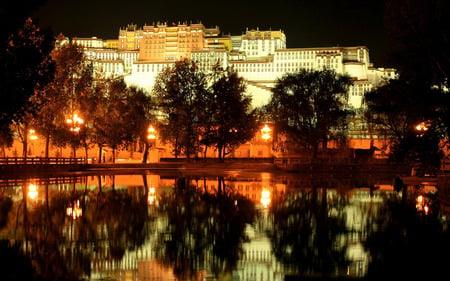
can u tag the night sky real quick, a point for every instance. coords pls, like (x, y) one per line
(306, 23)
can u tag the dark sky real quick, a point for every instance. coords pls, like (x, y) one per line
(306, 23)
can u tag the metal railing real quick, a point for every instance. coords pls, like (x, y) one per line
(40, 161)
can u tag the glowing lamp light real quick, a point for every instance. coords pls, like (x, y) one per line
(266, 132)
(32, 191)
(75, 121)
(151, 133)
(74, 212)
(32, 134)
(422, 127)
(265, 198)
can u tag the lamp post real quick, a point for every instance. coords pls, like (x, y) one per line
(32, 137)
(266, 132)
(75, 122)
(266, 135)
(152, 135)
(422, 127)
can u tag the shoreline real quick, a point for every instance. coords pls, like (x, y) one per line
(199, 167)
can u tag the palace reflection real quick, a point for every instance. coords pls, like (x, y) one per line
(163, 227)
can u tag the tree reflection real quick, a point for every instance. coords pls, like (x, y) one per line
(408, 244)
(306, 232)
(62, 246)
(205, 230)
(5, 208)
(119, 219)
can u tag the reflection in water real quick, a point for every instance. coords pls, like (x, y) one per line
(74, 211)
(204, 231)
(308, 227)
(249, 228)
(265, 198)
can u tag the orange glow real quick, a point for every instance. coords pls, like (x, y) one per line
(422, 127)
(32, 134)
(32, 191)
(75, 121)
(266, 132)
(265, 198)
(151, 196)
(419, 199)
(421, 205)
(151, 133)
(74, 212)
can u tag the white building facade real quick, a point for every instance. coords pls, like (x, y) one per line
(260, 57)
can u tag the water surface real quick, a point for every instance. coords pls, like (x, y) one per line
(238, 226)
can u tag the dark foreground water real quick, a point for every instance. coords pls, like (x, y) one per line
(258, 226)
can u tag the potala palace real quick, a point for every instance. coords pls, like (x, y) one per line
(259, 56)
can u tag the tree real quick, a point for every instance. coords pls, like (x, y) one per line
(181, 92)
(143, 109)
(420, 50)
(396, 109)
(231, 122)
(13, 14)
(308, 107)
(70, 89)
(305, 234)
(118, 134)
(98, 114)
(26, 67)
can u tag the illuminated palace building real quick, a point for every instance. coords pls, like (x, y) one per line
(259, 56)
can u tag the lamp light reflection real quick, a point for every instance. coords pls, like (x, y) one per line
(151, 196)
(421, 205)
(32, 191)
(75, 211)
(265, 198)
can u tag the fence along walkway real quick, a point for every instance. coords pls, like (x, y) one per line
(40, 161)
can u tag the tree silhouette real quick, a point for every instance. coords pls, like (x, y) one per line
(25, 67)
(205, 230)
(308, 107)
(230, 120)
(181, 91)
(305, 235)
(406, 243)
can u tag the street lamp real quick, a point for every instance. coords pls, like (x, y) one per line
(151, 140)
(151, 133)
(75, 122)
(422, 127)
(266, 132)
(32, 134)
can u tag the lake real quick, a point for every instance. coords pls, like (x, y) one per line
(235, 226)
